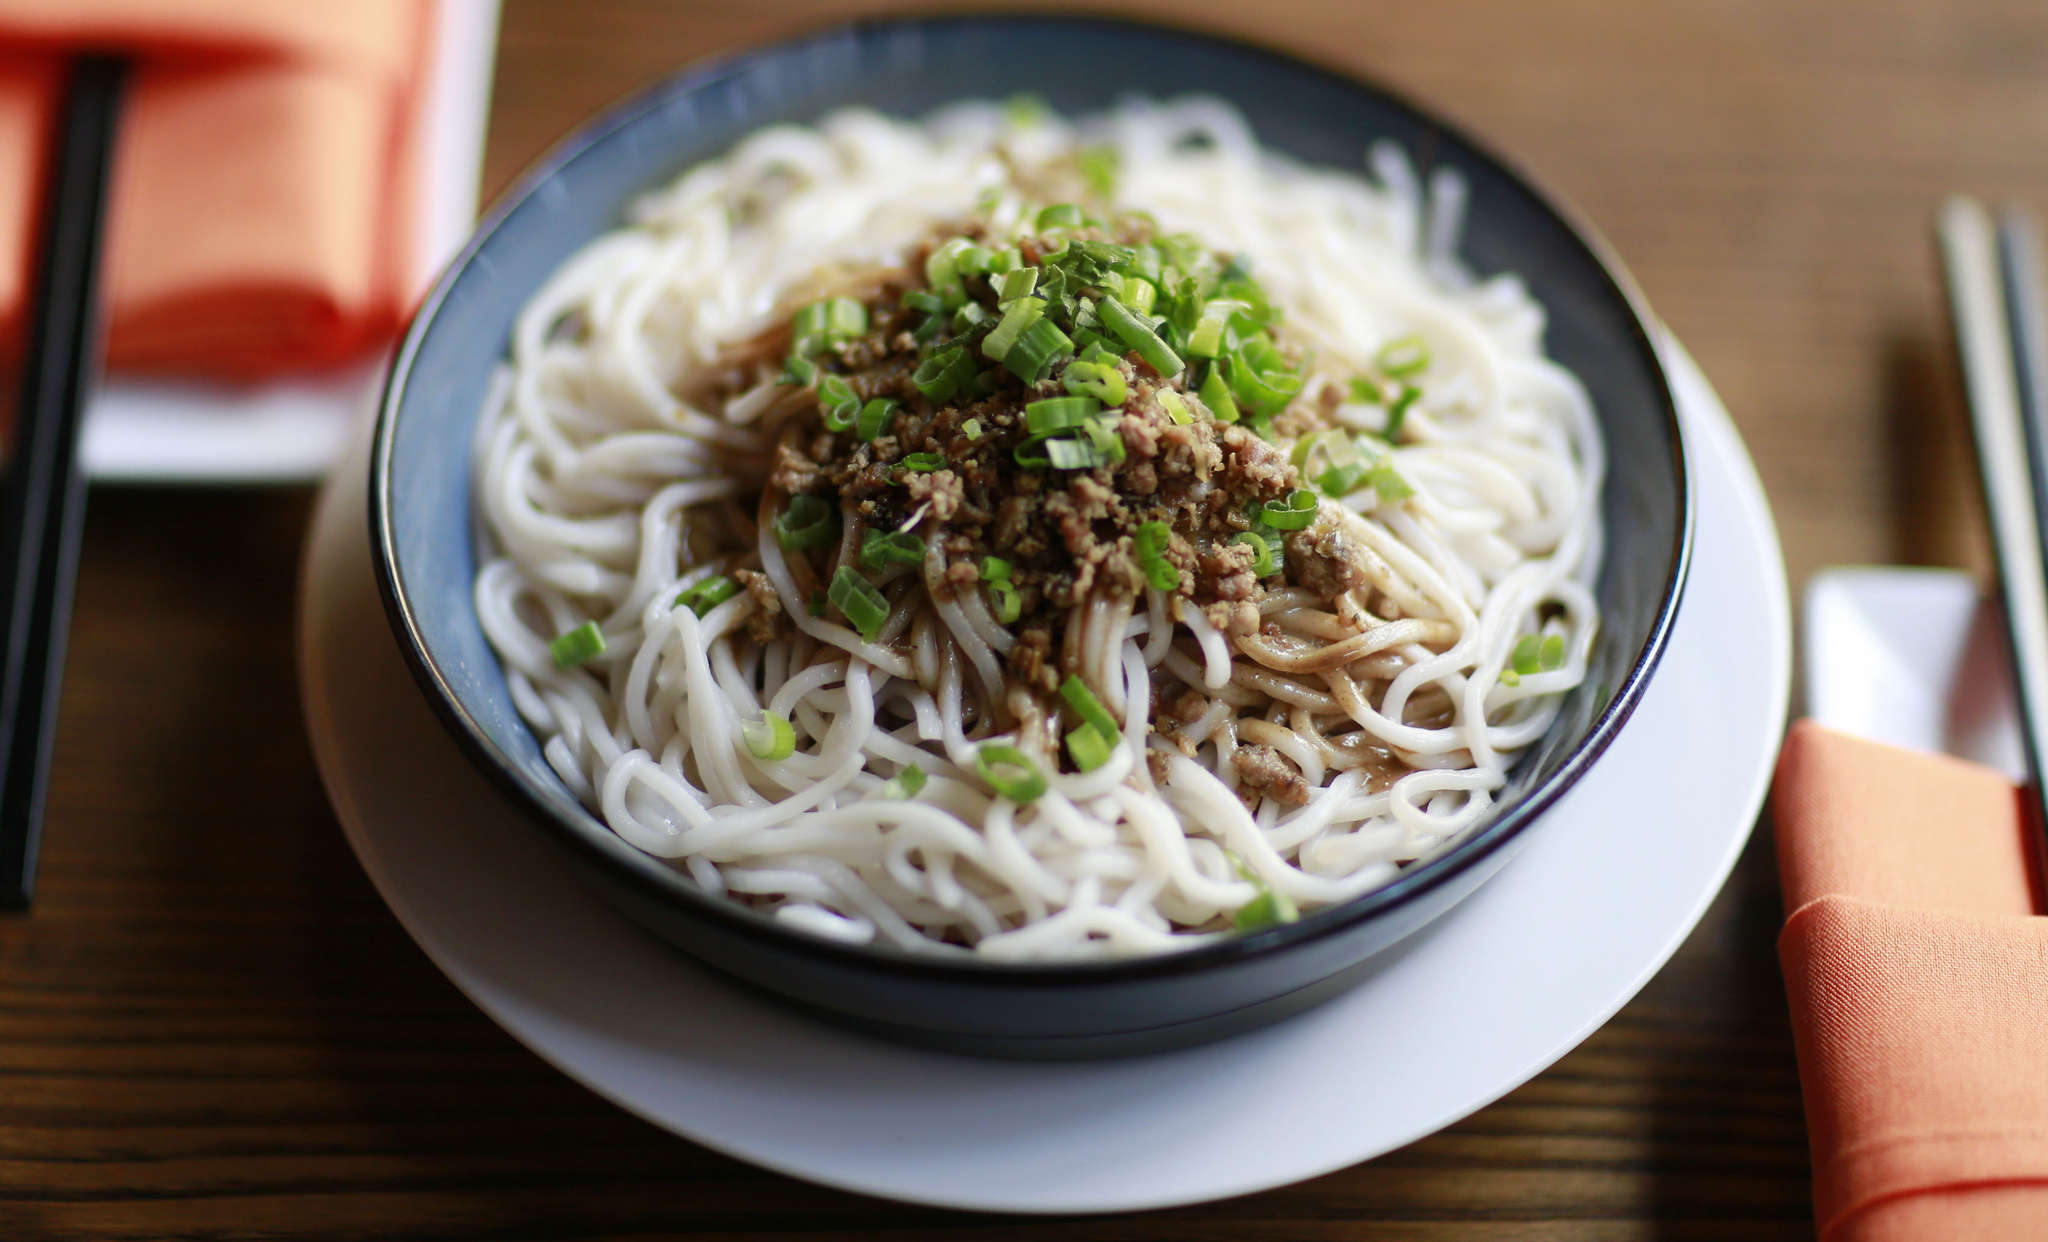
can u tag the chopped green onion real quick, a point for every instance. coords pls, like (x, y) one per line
(970, 316)
(874, 416)
(928, 327)
(942, 271)
(880, 549)
(1215, 394)
(1008, 605)
(577, 645)
(702, 597)
(1008, 259)
(1066, 454)
(1387, 483)
(1098, 167)
(943, 374)
(1341, 479)
(857, 599)
(971, 429)
(1017, 316)
(995, 569)
(1403, 357)
(1364, 390)
(923, 463)
(1104, 435)
(973, 260)
(1269, 908)
(1017, 284)
(1058, 413)
(1089, 748)
(799, 372)
(1100, 380)
(1176, 406)
(1294, 513)
(924, 300)
(1551, 654)
(826, 323)
(1139, 294)
(1009, 771)
(1089, 708)
(1528, 655)
(837, 403)
(1509, 677)
(1061, 216)
(1397, 412)
(1035, 352)
(769, 738)
(807, 522)
(1260, 378)
(1150, 541)
(1024, 111)
(1031, 454)
(1135, 332)
(1264, 564)
(1206, 340)
(904, 784)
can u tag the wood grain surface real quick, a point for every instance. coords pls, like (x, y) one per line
(210, 1027)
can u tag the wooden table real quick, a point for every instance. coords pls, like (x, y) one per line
(210, 1026)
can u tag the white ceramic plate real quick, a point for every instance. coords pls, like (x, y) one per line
(291, 430)
(1607, 886)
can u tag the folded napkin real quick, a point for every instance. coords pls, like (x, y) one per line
(1917, 972)
(261, 212)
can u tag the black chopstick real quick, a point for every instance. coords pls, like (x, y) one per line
(1994, 284)
(42, 501)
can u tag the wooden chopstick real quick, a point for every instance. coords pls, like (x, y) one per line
(1994, 288)
(42, 503)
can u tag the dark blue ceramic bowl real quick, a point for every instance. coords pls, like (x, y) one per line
(423, 540)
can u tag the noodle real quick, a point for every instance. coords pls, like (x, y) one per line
(1282, 759)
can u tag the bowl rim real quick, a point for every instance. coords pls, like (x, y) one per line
(655, 879)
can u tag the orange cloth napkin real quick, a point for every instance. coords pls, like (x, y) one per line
(261, 214)
(1917, 972)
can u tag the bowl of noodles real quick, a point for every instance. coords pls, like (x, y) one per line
(1034, 536)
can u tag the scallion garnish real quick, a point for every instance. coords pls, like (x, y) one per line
(1397, 411)
(1104, 438)
(1269, 908)
(823, 324)
(1004, 601)
(770, 738)
(1150, 542)
(1294, 513)
(923, 463)
(799, 372)
(1009, 771)
(1017, 316)
(971, 429)
(1387, 483)
(1126, 325)
(1058, 413)
(1034, 354)
(873, 417)
(1206, 340)
(1089, 708)
(837, 403)
(807, 522)
(923, 300)
(995, 569)
(702, 597)
(1064, 454)
(1061, 216)
(577, 645)
(1364, 390)
(1100, 380)
(879, 549)
(1176, 407)
(1215, 393)
(1017, 284)
(857, 599)
(1098, 167)
(1403, 357)
(1089, 748)
(943, 374)
(1264, 563)
(904, 784)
